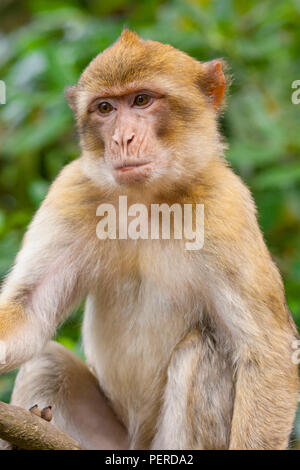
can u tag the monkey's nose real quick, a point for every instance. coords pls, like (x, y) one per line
(123, 140)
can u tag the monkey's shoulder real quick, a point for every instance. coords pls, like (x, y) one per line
(227, 200)
(73, 196)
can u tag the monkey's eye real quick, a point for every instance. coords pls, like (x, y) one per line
(104, 107)
(142, 100)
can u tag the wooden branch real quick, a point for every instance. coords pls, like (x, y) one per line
(27, 431)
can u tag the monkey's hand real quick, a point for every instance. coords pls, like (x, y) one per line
(46, 282)
(11, 321)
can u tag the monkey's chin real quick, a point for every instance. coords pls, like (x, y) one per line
(133, 174)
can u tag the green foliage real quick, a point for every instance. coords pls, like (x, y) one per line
(44, 45)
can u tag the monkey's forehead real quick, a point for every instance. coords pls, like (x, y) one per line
(131, 59)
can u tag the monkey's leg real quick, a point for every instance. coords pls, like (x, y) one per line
(58, 378)
(266, 396)
(198, 400)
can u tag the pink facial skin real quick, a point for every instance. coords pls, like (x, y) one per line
(127, 125)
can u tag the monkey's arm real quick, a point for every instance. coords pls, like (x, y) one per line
(266, 378)
(267, 386)
(247, 295)
(46, 282)
(266, 396)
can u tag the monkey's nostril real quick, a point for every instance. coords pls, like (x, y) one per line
(115, 139)
(123, 140)
(130, 139)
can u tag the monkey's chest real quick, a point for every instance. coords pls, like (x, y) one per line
(131, 327)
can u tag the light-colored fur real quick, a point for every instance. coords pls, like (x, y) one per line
(58, 377)
(192, 348)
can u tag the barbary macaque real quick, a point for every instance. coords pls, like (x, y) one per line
(185, 348)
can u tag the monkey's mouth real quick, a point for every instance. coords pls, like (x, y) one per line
(129, 166)
(132, 171)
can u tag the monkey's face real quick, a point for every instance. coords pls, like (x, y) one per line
(146, 114)
(127, 128)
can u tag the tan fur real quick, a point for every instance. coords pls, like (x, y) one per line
(192, 348)
(11, 318)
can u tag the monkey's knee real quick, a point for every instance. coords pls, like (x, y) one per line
(60, 379)
(55, 378)
(47, 379)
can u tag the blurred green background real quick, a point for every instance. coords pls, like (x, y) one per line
(44, 45)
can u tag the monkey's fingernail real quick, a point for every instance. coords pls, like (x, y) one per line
(47, 413)
(35, 410)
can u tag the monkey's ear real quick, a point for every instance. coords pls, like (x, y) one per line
(213, 80)
(70, 94)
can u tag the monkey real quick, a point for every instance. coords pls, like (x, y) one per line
(185, 349)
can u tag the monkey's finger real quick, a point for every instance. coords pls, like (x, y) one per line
(47, 413)
(35, 410)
